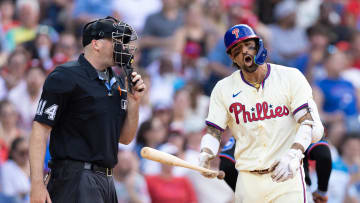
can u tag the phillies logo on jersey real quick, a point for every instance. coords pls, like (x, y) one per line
(261, 112)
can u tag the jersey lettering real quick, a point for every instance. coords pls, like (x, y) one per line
(51, 111)
(40, 108)
(262, 112)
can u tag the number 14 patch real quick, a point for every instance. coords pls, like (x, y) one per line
(50, 111)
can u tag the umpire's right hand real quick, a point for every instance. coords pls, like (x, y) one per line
(39, 193)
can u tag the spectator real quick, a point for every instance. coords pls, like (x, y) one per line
(215, 17)
(29, 12)
(158, 33)
(355, 49)
(66, 49)
(130, 185)
(336, 97)
(165, 187)
(193, 42)
(331, 17)
(181, 110)
(199, 102)
(13, 73)
(7, 12)
(136, 12)
(40, 48)
(29, 93)
(85, 11)
(284, 31)
(164, 80)
(311, 62)
(152, 133)
(16, 171)
(8, 129)
(57, 14)
(345, 169)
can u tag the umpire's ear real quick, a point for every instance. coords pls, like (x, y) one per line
(96, 44)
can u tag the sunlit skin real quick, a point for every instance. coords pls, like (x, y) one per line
(243, 54)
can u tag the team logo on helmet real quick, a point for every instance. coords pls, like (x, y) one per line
(235, 32)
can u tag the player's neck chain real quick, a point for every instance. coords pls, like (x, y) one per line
(258, 84)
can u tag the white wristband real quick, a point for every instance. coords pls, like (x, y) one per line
(210, 142)
(303, 135)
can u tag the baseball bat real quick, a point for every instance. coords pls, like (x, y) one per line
(165, 158)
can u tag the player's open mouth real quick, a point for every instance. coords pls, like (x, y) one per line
(248, 60)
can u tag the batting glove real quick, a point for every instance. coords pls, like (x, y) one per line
(204, 161)
(287, 166)
(319, 197)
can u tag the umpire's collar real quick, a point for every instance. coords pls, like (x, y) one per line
(91, 71)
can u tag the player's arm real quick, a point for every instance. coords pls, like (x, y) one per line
(216, 123)
(310, 130)
(209, 146)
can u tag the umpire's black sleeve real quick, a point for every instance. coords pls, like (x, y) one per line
(55, 95)
(321, 154)
(228, 166)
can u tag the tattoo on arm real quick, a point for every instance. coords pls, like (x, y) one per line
(307, 116)
(214, 132)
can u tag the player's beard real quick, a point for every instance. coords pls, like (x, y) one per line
(249, 64)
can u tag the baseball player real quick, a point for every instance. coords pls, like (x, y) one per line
(318, 152)
(271, 113)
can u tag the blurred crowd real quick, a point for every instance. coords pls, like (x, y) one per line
(181, 56)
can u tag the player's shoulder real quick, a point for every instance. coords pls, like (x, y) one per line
(229, 80)
(284, 69)
(285, 72)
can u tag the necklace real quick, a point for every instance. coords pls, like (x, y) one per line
(255, 84)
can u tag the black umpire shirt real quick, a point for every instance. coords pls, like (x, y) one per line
(86, 120)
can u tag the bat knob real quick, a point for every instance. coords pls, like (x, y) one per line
(221, 175)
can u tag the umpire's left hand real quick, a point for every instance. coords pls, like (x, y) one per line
(138, 90)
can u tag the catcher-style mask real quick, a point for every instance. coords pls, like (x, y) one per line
(122, 35)
(123, 39)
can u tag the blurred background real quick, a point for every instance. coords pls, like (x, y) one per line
(181, 56)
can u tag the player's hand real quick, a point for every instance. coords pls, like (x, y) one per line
(39, 193)
(204, 161)
(138, 88)
(286, 167)
(319, 197)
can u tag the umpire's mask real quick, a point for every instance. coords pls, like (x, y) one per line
(123, 39)
(122, 35)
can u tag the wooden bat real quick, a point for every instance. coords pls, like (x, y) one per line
(165, 158)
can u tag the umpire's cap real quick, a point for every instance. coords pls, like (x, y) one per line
(104, 28)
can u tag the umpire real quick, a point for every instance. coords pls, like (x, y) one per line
(87, 110)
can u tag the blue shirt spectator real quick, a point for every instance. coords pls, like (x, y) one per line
(93, 8)
(339, 95)
(218, 59)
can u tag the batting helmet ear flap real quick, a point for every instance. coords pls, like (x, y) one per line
(261, 54)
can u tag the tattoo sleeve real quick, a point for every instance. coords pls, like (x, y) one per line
(214, 132)
(307, 116)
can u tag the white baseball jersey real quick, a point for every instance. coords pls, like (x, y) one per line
(262, 121)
